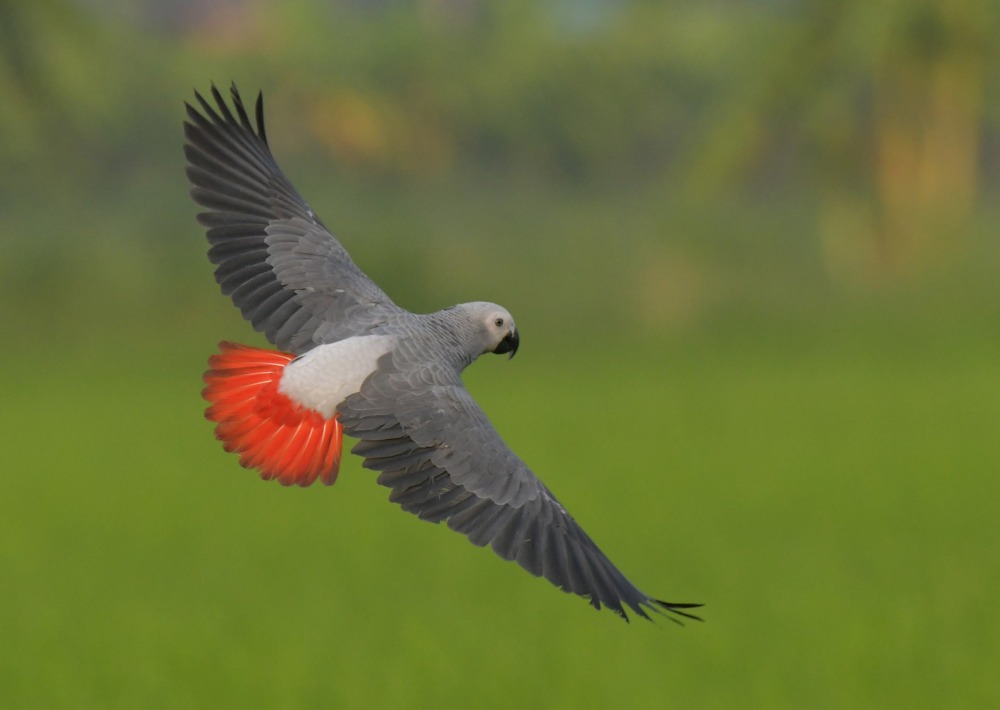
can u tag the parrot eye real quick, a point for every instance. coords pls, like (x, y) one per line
(498, 322)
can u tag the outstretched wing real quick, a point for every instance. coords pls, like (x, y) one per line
(444, 461)
(283, 269)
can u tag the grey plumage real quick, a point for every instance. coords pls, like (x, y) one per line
(416, 424)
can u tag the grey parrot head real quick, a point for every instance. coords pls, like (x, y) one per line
(495, 327)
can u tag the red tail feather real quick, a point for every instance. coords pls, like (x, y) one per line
(270, 432)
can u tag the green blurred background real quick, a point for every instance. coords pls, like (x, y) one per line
(752, 250)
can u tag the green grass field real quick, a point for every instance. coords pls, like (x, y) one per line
(832, 502)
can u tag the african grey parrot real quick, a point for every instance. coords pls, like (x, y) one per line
(358, 363)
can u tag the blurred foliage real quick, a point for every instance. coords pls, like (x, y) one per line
(728, 153)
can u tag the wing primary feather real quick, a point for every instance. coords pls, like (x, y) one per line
(226, 181)
(555, 565)
(294, 324)
(599, 593)
(223, 107)
(221, 156)
(211, 135)
(675, 608)
(473, 519)
(260, 117)
(486, 525)
(265, 302)
(214, 150)
(240, 110)
(529, 547)
(516, 531)
(230, 203)
(244, 291)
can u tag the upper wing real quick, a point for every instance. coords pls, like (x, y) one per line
(444, 461)
(288, 275)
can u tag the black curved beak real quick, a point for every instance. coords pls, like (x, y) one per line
(509, 344)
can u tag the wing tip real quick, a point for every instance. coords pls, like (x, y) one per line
(222, 114)
(675, 611)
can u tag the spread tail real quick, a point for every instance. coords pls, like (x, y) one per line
(270, 432)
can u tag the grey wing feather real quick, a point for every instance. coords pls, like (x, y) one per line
(282, 268)
(444, 461)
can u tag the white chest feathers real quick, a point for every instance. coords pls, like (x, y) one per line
(328, 374)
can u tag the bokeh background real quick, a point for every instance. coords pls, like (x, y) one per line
(752, 248)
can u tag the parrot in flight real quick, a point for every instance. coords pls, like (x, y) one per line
(351, 361)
